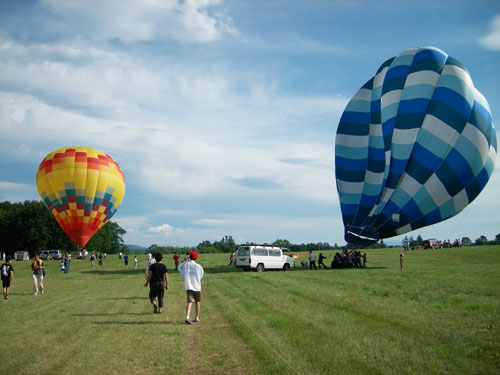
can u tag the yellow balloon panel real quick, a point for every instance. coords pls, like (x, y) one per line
(82, 187)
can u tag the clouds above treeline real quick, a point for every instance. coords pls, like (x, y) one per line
(219, 129)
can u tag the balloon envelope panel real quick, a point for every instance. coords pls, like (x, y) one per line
(82, 187)
(414, 146)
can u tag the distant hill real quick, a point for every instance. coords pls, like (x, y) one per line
(137, 248)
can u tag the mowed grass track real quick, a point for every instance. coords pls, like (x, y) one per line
(439, 316)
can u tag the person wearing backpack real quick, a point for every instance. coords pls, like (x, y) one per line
(38, 270)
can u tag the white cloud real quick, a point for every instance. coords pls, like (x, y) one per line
(243, 228)
(164, 228)
(492, 40)
(138, 20)
(15, 192)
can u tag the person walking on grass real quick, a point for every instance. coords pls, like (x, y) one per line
(401, 261)
(151, 261)
(176, 260)
(192, 273)
(320, 261)
(312, 260)
(158, 283)
(7, 277)
(135, 262)
(92, 260)
(37, 267)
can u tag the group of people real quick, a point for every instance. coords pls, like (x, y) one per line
(345, 259)
(349, 259)
(156, 274)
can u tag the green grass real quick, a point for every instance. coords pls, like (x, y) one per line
(439, 316)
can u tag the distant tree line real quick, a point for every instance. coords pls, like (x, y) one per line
(228, 245)
(465, 241)
(29, 226)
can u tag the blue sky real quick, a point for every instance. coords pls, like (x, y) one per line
(221, 114)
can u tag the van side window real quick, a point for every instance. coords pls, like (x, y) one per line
(274, 253)
(260, 252)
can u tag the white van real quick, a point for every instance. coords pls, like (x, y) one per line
(261, 257)
(54, 254)
(22, 255)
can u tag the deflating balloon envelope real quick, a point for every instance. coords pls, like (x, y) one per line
(414, 146)
(82, 187)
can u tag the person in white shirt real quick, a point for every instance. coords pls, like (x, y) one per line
(312, 260)
(151, 260)
(192, 273)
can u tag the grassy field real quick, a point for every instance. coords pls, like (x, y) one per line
(441, 315)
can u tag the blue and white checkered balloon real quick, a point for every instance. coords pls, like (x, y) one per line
(414, 146)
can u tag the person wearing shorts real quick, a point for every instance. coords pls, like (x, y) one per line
(7, 276)
(192, 273)
(158, 283)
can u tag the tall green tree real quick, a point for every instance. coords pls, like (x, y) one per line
(481, 240)
(29, 226)
(466, 241)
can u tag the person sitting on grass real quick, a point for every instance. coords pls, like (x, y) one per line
(158, 282)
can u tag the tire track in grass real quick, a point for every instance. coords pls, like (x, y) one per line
(306, 295)
(273, 328)
(252, 336)
(214, 343)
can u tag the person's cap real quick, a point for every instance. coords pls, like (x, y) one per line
(193, 255)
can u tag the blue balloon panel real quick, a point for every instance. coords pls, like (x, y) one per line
(414, 146)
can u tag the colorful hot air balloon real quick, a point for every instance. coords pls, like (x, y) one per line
(414, 146)
(82, 187)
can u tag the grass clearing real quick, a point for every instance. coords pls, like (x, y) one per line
(439, 316)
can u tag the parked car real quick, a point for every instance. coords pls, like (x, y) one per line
(50, 254)
(22, 255)
(261, 257)
(432, 244)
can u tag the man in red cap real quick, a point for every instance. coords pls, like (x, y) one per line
(192, 273)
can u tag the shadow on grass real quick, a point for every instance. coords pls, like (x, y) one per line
(129, 298)
(227, 269)
(109, 314)
(140, 323)
(114, 272)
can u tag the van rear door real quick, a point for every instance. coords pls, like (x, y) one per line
(242, 257)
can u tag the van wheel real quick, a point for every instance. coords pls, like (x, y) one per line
(260, 267)
(286, 267)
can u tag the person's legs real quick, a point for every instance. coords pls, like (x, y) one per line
(35, 285)
(5, 288)
(40, 283)
(161, 294)
(197, 309)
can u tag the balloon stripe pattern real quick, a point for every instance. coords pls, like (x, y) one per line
(414, 146)
(82, 187)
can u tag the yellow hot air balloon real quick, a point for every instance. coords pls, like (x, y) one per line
(82, 187)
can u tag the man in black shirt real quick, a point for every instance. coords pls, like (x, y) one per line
(7, 276)
(158, 282)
